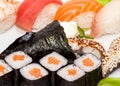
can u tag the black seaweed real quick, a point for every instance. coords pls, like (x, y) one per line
(93, 77)
(17, 78)
(7, 79)
(52, 78)
(44, 81)
(62, 82)
(51, 38)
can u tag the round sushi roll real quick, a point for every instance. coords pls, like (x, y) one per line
(33, 71)
(71, 72)
(6, 74)
(4, 68)
(34, 75)
(53, 61)
(18, 59)
(88, 62)
(70, 75)
(92, 66)
(84, 46)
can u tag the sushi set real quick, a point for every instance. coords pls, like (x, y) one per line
(59, 43)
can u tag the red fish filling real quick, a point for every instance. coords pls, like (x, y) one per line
(36, 72)
(72, 72)
(88, 62)
(2, 69)
(18, 57)
(53, 60)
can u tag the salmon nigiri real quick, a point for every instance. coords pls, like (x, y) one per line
(81, 11)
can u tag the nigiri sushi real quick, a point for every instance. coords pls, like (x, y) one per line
(107, 20)
(36, 14)
(7, 14)
(81, 11)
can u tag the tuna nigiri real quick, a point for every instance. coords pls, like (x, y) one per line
(107, 19)
(81, 11)
(36, 13)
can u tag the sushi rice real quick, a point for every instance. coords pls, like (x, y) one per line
(4, 68)
(75, 73)
(88, 62)
(53, 61)
(18, 59)
(26, 71)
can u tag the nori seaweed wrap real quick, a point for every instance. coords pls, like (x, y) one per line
(92, 66)
(36, 45)
(34, 75)
(70, 75)
(53, 62)
(7, 79)
(93, 77)
(6, 74)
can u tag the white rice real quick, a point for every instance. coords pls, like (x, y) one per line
(85, 19)
(18, 64)
(7, 67)
(92, 50)
(53, 67)
(94, 59)
(64, 73)
(25, 71)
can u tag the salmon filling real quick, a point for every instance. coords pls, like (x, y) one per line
(72, 72)
(18, 57)
(53, 60)
(88, 62)
(36, 72)
(2, 69)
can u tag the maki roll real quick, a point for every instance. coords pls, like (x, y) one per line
(36, 45)
(53, 62)
(92, 66)
(34, 75)
(70, 75)
(6, 74)
(17, 60)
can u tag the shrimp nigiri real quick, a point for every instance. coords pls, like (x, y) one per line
(8, 9)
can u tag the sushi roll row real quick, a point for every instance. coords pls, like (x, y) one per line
(52, 70)
(85, 71)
